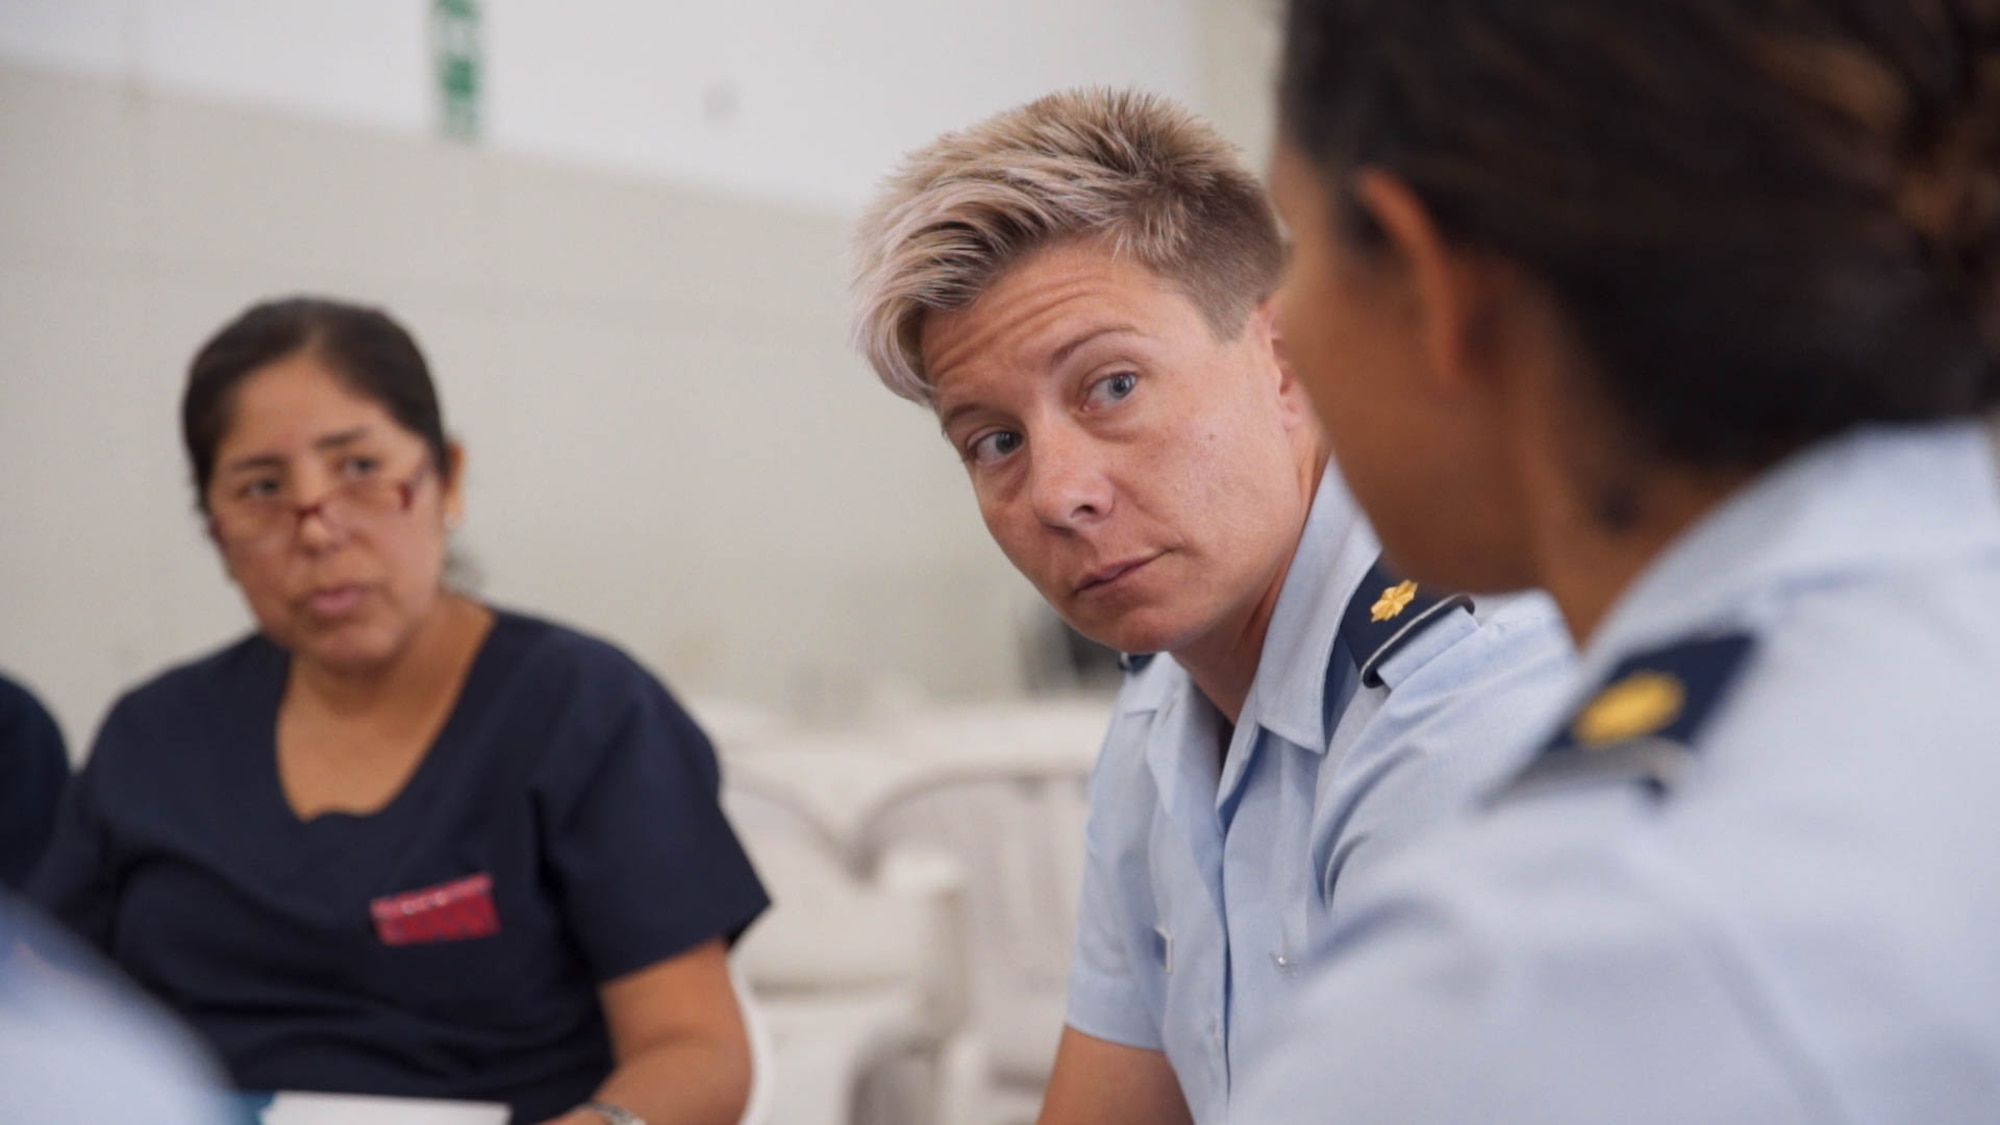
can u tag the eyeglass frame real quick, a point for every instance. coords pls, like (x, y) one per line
(406, 491)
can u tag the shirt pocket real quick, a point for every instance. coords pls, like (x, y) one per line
(459, 952)
(460, 910)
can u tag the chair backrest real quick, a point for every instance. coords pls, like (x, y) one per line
(843, 827)
(831, 927)
(855, 974)
(1020, 842)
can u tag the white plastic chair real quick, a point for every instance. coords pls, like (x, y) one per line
(1006, 795)
(849, 971)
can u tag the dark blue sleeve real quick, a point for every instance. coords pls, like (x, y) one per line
(645, 862)
(34, 771)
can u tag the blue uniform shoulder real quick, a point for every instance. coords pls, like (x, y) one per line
(1388, 612)
(1641, 724)
(211, 679)
(200, 707)
(556, 655)
(585, 684)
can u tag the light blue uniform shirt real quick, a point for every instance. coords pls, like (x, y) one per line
(1208, 879)
(74, 1047)
(1797, 921)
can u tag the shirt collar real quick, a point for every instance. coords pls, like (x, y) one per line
(1336, 548)
(1860, 503)
(1149, 688)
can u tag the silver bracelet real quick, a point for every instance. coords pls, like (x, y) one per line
(613, 1114)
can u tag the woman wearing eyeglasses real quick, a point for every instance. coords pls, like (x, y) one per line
(396, 841)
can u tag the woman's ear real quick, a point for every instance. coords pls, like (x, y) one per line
(454, 485)
(1450, 290)
(1273, 327)
(1265, 333)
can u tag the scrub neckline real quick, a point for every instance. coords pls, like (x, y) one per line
(443, 744)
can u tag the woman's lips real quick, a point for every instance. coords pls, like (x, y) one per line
(1104, 578)
(338, 601)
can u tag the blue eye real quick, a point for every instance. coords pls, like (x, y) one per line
(359, 466)
(992, 447)
(1113, 388)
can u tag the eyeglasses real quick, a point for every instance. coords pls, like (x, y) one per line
(264, 521)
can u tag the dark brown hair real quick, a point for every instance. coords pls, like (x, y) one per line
(370, 352)
(1769, 220)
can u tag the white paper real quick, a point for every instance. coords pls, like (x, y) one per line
(297, 1108)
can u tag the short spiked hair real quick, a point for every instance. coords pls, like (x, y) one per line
(1133, 172)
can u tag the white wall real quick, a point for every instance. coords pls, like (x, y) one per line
(1238, 67)
(800, 100)
(670, 442)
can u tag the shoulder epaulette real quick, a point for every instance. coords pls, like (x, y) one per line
(1641, 725)
(1386, 613)
(1133, 663)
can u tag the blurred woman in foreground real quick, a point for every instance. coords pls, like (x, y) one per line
(1684, 310)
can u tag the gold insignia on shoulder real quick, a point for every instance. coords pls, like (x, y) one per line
(1638, 705)
(1393, 601)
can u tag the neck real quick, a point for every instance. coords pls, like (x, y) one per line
(1223, 661)
(1223, 664)
(428, 663)
(1593, 508)
(1588, 561)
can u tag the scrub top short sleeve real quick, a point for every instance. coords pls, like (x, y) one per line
(643, 856)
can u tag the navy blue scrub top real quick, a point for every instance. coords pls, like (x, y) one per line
(562, 831)
(34, 769)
